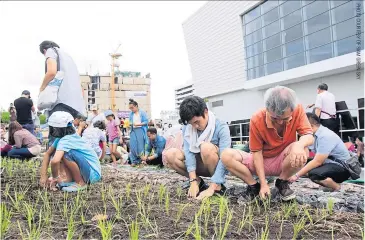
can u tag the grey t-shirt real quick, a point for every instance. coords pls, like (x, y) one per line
(70, 92)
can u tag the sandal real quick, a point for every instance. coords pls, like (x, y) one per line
(74, 188)
(65, 184)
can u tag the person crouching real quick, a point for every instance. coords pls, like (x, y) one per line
(74, 163)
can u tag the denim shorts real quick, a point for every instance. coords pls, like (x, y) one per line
(88, 174)
(115, 141)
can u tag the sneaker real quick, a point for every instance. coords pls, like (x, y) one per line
(202, 185)
(284, 189)
(252, 192)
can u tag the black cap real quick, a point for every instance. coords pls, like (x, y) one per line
(26, 92)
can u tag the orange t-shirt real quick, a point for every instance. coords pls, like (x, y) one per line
(264, 137)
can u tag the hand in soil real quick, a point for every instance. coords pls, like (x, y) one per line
(205, 194)
(293, 179)
(43, 182)
(193, 190)
(264, 191)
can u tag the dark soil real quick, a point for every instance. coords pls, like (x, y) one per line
(53, 212)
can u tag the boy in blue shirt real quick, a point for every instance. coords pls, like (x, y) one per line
(74, 163)
(157, 143)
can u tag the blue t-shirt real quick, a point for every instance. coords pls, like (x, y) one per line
(75, 142)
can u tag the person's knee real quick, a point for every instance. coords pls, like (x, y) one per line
(227, 156)
(171, 156)
(207, 150)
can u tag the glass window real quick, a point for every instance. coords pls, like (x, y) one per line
(315, 8)
(254, 61)
(320, 53)
(274, 67)
(294, 61)
(253, 14)
(291, 19)
(255, 72)
(345, 29)
(268, 5)
(271, 29)
(306, 2)
(289, 7)
(348, 45)
(272, 42)
(253, 37)
(335, 3)
(270, 17)
(254, 49)
(253, 26)
(292, 33)
(318, 38)
(294, 47)
(317, 23)
(343, 12)
(273, 55)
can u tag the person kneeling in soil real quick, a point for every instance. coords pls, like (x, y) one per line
(205, 138)
(327, 145)
(275, 151)
(94, 135)
(157, 143)
(74, 163)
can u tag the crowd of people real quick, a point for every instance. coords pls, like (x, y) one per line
(282, 137)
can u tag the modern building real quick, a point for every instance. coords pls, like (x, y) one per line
(182, 92)
(97, 90)
(239, 49)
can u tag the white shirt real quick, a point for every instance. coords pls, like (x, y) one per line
(137, 119)
(326, 102)
(100, 117)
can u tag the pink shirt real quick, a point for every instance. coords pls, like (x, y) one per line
(112, 129)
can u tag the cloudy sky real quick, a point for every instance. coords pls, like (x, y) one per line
(150, 34)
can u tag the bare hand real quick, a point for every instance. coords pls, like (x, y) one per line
(293, 179)
(264, 191)
(298, 156)
(43, 182)
(143, 158)
(193, 190)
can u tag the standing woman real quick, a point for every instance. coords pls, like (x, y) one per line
(26, 145)
(138, 135)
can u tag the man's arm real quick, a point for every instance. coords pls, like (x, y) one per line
(50, 74)
(258, 162)
(316, 162)
(160, 146)
(318, 111)
(149, 149)
(318, 105)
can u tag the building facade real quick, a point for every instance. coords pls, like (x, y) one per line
(97, 90)
(239, 49)
(183, 92)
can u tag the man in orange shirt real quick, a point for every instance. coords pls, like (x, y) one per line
(273, 145)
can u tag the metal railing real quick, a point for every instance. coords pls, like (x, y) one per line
(357, 129)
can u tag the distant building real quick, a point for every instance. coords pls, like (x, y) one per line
(97, 90)
(183, 92)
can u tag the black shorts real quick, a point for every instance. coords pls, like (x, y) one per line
(329, 170)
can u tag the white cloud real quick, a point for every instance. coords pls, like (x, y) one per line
(150, 33)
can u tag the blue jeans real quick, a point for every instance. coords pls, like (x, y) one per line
(20, 153)
(29, 127)
(115, 141)
(88, 174)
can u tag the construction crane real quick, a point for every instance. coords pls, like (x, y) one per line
(115, 55)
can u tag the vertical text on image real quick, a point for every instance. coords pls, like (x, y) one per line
(358, 39)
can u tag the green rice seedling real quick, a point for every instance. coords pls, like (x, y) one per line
(167, 202)
(134, 230)
(362, 232)
(179, 212)
(281, 228)
(146, 190)
(179, 192)
(33, 231)
(330, 205)
(197, 233)
(116, 202)
(297, 227)
(267, 202)
(243, 221)
(207, 213)
(309, 216)
(128, 191)
(17, 200)
(139, 199)
(7, 189)
(5, 220)
(161, 193)
(265, 233)
(257, 205)
(250, 217)
(71, 227)
(288, 210)
(106, 228)
(226, 224)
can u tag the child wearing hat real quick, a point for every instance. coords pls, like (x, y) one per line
(74, 163)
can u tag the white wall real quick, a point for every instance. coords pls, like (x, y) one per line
(242, 104)
(214, 41)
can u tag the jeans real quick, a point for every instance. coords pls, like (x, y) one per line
(20, 153)
(29, 127)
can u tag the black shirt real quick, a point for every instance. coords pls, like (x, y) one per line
(23, 108)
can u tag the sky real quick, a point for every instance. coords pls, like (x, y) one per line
(150, 34)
